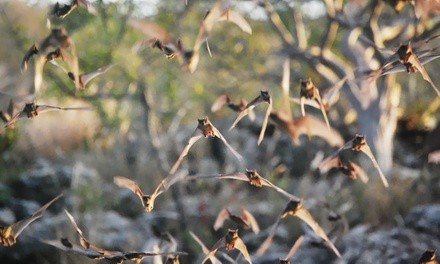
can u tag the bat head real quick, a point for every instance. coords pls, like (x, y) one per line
(265, 96)
(31, 110)
(254, 178)
(428, 257)
(358, 142)
(230, 239)
(291, 208)
(307, 89)
(54, 55)
(173, 260)
(148, 203)
(205, 126)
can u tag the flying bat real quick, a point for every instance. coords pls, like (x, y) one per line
(230, 241)
(309, 125)
(61, 11)
(359, 143)
(292, 251)
(310, 92)
(251, 176)
(348, 168)
(9, 234)
(428, 257)
(204, 129)
(148, 200)
(224, 99)
(263, 97)
(246, 219)
(32, 110)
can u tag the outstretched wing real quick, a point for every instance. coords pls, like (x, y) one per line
(268, 241)
(18, 227)
(82, 240)
(295, 247)
(363, 176)
(278, 189)
(196, 135)
(219, 102)
(265, 121)
(414, 60)
(331, 162)
(250, 220)
(312, 126)
(87, 77)
(131, 185)
(366, 149)
(236, 18)
(221, 217)
(46, 108)
(239, 244)
(222, 138)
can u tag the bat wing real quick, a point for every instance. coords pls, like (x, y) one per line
(265, 121)
(151, 30)
(87, 77)
(295, 247)
(242, 114)
(268, 241)
(221, 217)
(278, 189)
(207, 24)
(193, 139)
(219, 102)
(18, 227)
(222, 138)
(27, 56)
(82, 240)
(305, 216)
(239, 244)
(131, 185)
(205, 250)
(308, 102)
(250, 220)
(324, 114)
(363, 176)
(211, 253)
(414, 60)
(236, 18)
(46, 108)
(14, 119)
(314, 127)
(331, 92)
(66, 245)
(332, 161)
(366, 149)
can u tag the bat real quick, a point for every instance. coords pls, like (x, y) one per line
(296, 208)
(58, 38)
(148, 200)
(224, 99)
(349, 168)
(263, 97)
(61, 11)
(9, 234)
(246, 219)
(292, 251)
(85, 78)
(310, 92)
(204, 129)
(329, 96)
(230, 241)
(359, 143)
(32, 110)
(428, 257)
(309, 125)
(250, 176)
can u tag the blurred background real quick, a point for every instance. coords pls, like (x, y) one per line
(146, 107)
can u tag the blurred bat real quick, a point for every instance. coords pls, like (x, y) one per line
(250, 176)
(32, 110)
(27, 56)
(329, 96)
(296, 208)
(148, 200)
(65, 245)
(61, 11)
(204, 129)
(309, 125)
(359, 143)
(246, 219)
(263, 97)
(292, 251)
(224, 99)
(310, 92)
(428, 257)
(205, 250)
(9, 234)
(85, 78)
(230, 241)
(349, 168)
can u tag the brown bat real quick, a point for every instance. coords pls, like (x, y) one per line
(292, 251)
(359, 143)
(428, 257)
(224, 99)
(349, 168)
(329, 97)
(61, 11)
(230, 241)
(310, 92)
(263, 97)
(148, 200)
(9, 234)
(309, 125)
(58, 38)
(85, 78)
(250, 176)
(246, 219)
(188, 59)
(204, 129)
(32, 110)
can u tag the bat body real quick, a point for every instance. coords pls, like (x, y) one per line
(230, 241)
(61, 11)
(246, 219)
(224, 99)
(310, 92)
(9, 234)
(204, 129)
